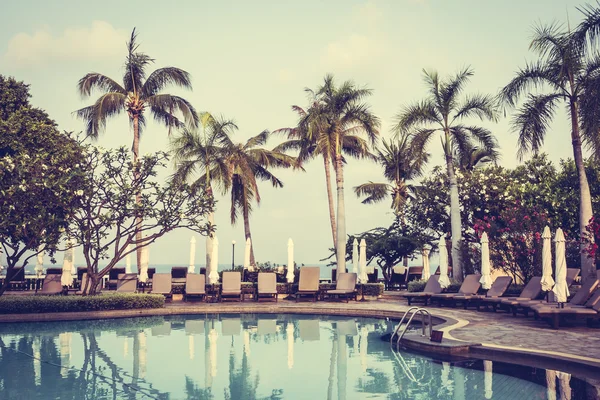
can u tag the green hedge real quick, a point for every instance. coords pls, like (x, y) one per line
(101, 302)
(418, 286)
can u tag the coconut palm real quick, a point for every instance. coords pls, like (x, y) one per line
(341, 111)
(563, 74)
(475, 157)
(401, 162)
(443, 112)
(199, 155)
(137, 93)
(248, 163)
(311, 141)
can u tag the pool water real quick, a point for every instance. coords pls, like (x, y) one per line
(245, 357)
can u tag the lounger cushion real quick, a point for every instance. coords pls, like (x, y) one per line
(267, 283)
(195, 284)
(232, 283)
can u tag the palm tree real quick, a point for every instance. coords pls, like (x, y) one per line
(474, 157)
(563, 73)
(137, 94)
(200, 153)
(311, 141)
(247, 163)
(342, 112)
(401, 162)
(443, 112)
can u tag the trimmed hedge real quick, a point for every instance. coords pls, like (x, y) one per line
(101, 302)
(419, 286)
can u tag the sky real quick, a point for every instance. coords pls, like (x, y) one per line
(250, 62)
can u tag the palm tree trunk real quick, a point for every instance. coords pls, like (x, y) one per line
(588, 268)
(248, 234)
(341, 215)
(455, 222)
(209, 238)
(138, 196)
(330, 199)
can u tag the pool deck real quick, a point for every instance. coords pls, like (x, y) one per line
(499, 332)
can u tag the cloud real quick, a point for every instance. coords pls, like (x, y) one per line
(353, 51)
(99, 41)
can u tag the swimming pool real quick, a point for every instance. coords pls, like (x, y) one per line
(250, 356)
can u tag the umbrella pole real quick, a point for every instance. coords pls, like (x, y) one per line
(362, 292)
(289, 296)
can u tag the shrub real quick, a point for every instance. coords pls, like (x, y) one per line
(103, 302)
(419, 286)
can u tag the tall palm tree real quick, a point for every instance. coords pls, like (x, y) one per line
(563, 74)
(134, 96)
(248, 163)
(442, 111)
(401, 162)
(341, 111)
(311, 141)
(199, 155)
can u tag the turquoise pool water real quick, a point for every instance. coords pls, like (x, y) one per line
(244, 357)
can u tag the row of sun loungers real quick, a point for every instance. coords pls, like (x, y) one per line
(585, 304)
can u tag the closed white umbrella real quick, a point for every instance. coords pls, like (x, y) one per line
(37, 363)
(290, 266)
(486, 277)
(142, 353)
(426, 269)
(247, 255)
(560, 290)
(487, 378)
(444, 281)
(144, 261)
(362, 260)
(364, 338)
(128, 260)
(355, 256)
(247, 343)
(551, 384)
(66, 279)
(39, 264)
(564, 380)
(64, 339)
(192, 266)
(289, 332)
(547, 281)
(446, 375)
(213, 276)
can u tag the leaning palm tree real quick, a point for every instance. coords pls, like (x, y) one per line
(134, 96)
(311, 141)
(443, 112)
(247, 163)
(200, 154)
(401, 162)
(564, 73)
(341, 111)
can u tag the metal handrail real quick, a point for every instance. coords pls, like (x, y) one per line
(418, 310)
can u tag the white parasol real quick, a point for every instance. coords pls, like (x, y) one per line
(355, 256)
(486, 277)
(247, 265)
(444, 281)
(290, 266)
(426, 269)
(39, 265)
(192, 266)
(66, 278)
(213, 276)
(145, 260)
(561, 291)
(547, 281)
(362, 260)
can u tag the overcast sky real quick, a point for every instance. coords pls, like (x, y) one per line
(250, 61)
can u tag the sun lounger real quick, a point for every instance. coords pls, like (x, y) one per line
(397, 280)
(162, 285)
(267, 285)
(414, 274)
(113, 277)
(345, 287)
(195, 285)
(531, 291)
(17, 278)
(127, 283)
(432, 287)
(579, 299)
(308, 284)
(232, 285)
(553, 314)
(51, 285)
(372, 278)
(497, 289)
(469, 286)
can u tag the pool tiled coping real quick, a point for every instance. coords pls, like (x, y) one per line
(497, 335)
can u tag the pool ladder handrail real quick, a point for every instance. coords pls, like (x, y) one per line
(415, 310)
